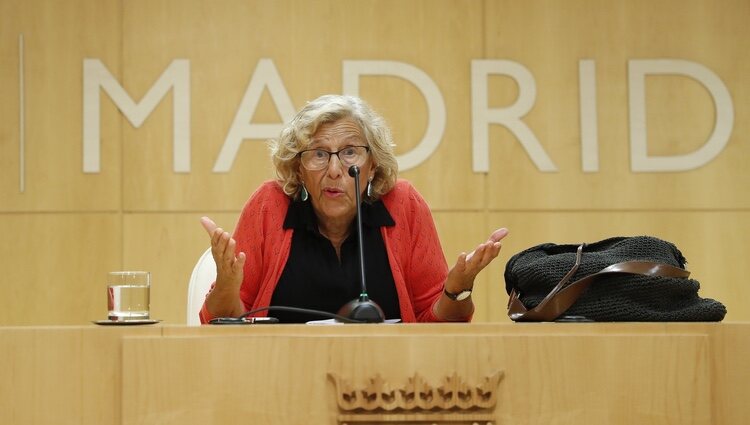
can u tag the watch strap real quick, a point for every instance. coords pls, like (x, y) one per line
(458, 296)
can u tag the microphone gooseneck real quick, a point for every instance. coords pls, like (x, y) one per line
(362, 308)
(354, 172)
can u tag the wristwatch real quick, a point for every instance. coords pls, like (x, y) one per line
(459, 296)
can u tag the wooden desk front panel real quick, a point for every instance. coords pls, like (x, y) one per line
(587, 378)
(62, 375)
(644, 373)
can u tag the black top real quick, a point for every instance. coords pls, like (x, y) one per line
(314, 278)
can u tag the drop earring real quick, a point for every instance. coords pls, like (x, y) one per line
(369, 188)
(303, 195)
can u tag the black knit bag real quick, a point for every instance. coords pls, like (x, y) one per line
(640, 279)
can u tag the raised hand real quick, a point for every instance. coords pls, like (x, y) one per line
(461, 275)
(229, 265)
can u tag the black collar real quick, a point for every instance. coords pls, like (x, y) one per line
(301, 215)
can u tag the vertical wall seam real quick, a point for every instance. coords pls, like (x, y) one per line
(122, 141)
(21, 117)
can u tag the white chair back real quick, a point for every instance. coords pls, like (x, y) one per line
(204, 274)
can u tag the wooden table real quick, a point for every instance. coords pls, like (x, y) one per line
(587, 373)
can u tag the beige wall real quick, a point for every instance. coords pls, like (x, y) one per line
(66, 229)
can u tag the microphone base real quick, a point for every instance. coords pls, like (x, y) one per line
(363, 311)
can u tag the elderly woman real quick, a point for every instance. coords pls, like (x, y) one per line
(296, 240)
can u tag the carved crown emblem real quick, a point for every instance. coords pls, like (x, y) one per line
(452, 400)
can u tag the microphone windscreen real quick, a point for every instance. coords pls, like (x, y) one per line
(354, 171)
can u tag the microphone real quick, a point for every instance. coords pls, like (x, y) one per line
(362, 308)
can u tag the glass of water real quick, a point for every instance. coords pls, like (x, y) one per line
(128, 295)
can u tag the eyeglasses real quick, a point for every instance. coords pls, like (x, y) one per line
(318, 159)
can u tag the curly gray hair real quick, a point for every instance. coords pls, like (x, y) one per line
(297, 134)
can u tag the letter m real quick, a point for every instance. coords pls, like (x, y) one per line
(176, 76)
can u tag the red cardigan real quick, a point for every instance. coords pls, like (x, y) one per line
(414, 252)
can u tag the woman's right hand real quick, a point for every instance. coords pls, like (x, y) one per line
(229, 266)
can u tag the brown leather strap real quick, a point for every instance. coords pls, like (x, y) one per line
(561, 297)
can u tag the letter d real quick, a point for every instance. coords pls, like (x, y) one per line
(640, 161)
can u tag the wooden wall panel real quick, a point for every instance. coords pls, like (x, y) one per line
(57, 37)
(168, 245)
(549, 42)
(462, 232)
(307, 42)
(213, 39)
(55, 267)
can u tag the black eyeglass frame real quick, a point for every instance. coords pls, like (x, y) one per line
(330, 154)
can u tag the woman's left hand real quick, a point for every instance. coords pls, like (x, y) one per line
(461, 275)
